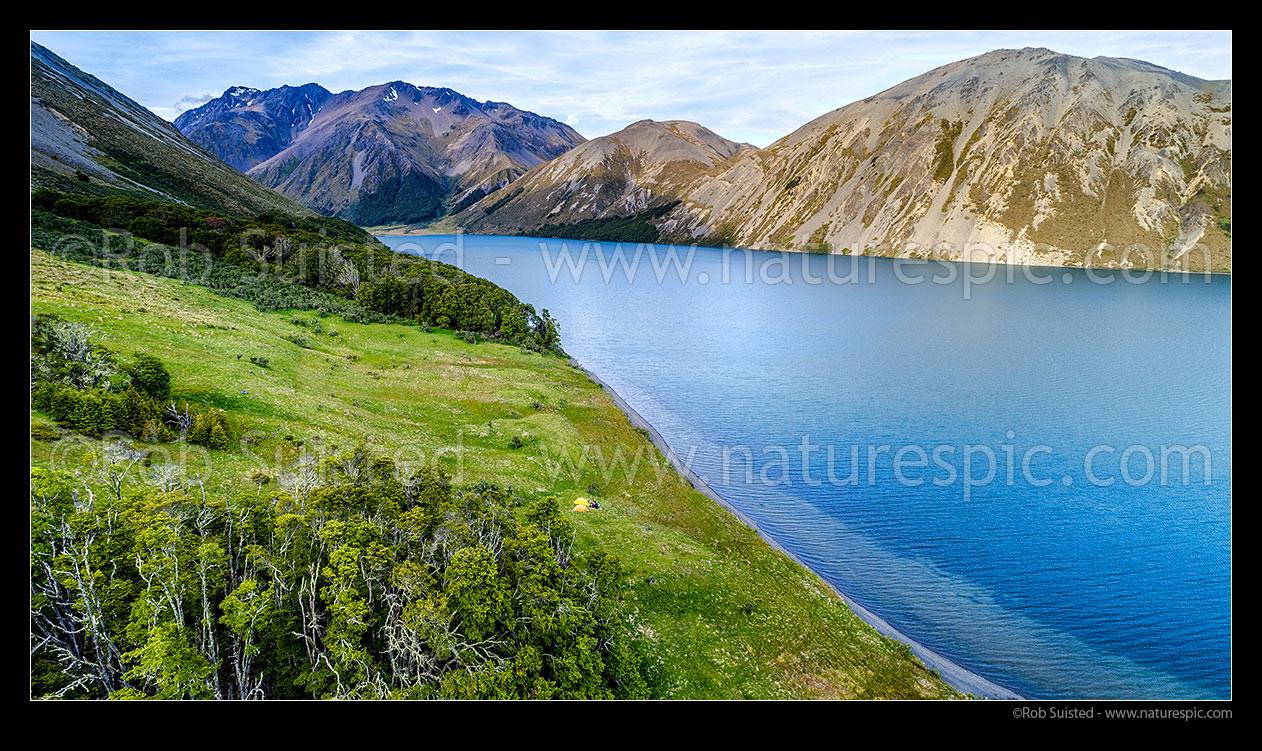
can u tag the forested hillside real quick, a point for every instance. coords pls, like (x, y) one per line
(280, 261)
(343, 579)
(280, 493)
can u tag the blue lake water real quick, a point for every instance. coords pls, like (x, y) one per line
(828, 397)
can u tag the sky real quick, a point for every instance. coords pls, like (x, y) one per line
(745, 85)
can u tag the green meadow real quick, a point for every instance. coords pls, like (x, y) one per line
(716, 611)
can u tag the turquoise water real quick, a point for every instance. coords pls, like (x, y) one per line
(781, 383)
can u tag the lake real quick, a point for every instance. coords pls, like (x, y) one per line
(1025, 470)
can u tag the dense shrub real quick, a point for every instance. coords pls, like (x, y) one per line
(137, 401)
(149, 376)
(279, 262)
(944, 148)
(350, 582)
(70, 353)
(96, 412)
(180, 225)
(631, 229)
(407, 199)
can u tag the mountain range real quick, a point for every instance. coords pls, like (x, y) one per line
(389, 153)
(1013, 156)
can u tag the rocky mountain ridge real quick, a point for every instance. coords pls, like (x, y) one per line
(394, 152)
(246, 126)
(1015, 156)
(86, 137)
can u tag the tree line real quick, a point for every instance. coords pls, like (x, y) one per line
(87, 388)
(338, 578)
(273, 257)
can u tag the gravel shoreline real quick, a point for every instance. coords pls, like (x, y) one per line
(959, 678)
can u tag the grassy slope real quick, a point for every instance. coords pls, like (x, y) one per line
(720, 612)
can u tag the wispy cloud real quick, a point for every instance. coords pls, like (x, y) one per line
(747, 85)
(190, 102)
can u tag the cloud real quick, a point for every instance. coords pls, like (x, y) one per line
(752, 86)
(191, 102)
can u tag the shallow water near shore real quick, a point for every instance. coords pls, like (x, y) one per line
(960, 449)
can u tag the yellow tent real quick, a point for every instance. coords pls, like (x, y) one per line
(580, 504)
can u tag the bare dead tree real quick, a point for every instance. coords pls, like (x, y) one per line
(165, 477)
(205, 562)
(182, 421)
(67, 613)
(346, 273)
(117, 460)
